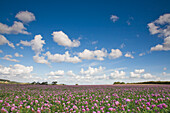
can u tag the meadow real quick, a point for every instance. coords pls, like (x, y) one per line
(17, 98)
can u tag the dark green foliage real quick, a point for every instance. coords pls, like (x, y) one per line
(54, 82)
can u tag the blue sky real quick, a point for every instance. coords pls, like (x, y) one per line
(85, 42)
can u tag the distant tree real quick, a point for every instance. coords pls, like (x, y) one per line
(119, 83)
(44, 83)
(54, 82)
(37, 83)
(33, 82)
(76, 84)
(122, 83)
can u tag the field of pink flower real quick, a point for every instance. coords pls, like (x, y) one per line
(87, 99)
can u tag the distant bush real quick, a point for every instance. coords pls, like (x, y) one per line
(54, 82)
(44, 83)
(152, 82)
(76, 84)
(33, 82)
(119, 83)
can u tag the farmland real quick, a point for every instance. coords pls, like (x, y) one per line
(89, 99)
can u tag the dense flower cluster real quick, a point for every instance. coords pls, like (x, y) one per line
(87, 99)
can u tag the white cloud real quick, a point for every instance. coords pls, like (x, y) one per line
(18, 55)
(114, 18)
(117, 75)
(162, 47)
(15, 70)
(92, 71)
(94, 42)
(62, 57)
(166, 74)
(128, 54)
(148, 76)
(62, 39)
(16, 28)
(115, 53)
(141, 54)
(25, 16)
(70, 73)
(56, 73)
(155, 27)
(135, 75)
(3, 41)
(9, 58)
(95, 55)
(139, 71)
(40, 59)
(161, 26)
(36, 44)
(1, 51)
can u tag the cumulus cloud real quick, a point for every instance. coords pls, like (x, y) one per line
(135, 75)
(128, 54)
(115, 53)
(62, 39)
(117, 75)
(62, 57)
(70, 73)
(95, 55)
(36, 44)
(40, 59)
(9, 58)
(161, 26)
(162, 47)
(148, 76)
(17, 69)
(18, 55)
(92, 71)
(16, 28)
(25, 16)
(3, 41)
(56, 73)
(114, 18)
(139, 71)
(88, 75)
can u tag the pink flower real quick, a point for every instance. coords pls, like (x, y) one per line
(148, 103)
(1, 101)
(38, 111)
(164, 105)
(87, 109)
(110, 109)
(147, 108)
(4, 110)
(13, 108)
(153, 106)
(28, 107)
(36, 101)
(117, 103)
(127, 100)
(83, 110)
